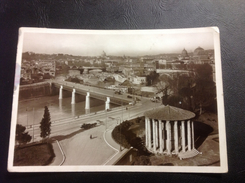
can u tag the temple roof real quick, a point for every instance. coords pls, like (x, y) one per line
(169, 113)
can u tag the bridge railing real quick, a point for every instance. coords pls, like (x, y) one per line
(94, 94)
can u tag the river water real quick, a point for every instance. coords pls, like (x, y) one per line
(31, 111)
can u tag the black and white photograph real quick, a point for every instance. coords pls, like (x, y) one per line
(118, 100)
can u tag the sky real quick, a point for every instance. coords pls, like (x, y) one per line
(91, 43)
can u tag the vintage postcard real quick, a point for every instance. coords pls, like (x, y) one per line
(118, 100)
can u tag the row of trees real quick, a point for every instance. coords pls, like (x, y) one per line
(194, 91)
(23, 137)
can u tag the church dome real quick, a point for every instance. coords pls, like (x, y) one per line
(199, 51)
(169, 113)
(184, 53)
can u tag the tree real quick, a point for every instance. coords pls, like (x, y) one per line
(204, 92)
(22, 137)
(167, 86)
(45, 124)
(152, 78)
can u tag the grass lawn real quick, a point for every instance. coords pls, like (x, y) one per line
(34, 155)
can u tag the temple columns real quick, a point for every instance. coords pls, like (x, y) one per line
(154, 134)
(149, 133)
(183, 135)
(160, 136)
(157, 134)
(189, 135)
(156, 141)
(146, 132)
(192, 135)
(176, 140)
(60, 93)
(168, 128)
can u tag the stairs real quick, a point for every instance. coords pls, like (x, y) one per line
(188, 154)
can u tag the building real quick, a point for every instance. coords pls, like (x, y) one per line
(170, 130)
(200, 56)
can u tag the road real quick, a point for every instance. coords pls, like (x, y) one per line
(70, 125)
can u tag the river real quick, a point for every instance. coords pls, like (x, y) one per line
(31, 111)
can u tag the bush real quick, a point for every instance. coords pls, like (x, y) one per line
(127, 138)
(22, 137)
(34, 155)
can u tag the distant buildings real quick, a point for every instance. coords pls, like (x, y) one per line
(35, 71)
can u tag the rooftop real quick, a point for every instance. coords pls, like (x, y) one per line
(169, 113)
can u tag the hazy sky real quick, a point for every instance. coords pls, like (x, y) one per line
(132, 44)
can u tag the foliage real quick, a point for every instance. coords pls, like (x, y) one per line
(45, 124)
(127, 138)
(142, 160)
(152, 78)
(204, 92)
(34, 155)
(22, 137)
(166, 86)
(195, 90)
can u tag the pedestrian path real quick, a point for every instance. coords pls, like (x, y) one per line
(59, 156)
(119, 151)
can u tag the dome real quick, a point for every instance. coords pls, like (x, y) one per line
(198, 51)
(184, 53)
(169, 113)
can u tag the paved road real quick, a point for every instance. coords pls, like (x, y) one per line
(70, 125)
(78, 148)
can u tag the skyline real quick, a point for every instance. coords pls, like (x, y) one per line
(116, 44)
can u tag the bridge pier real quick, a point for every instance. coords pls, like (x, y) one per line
(107, 103)
(73, 110)
(87, 103)
(60, 93)
(73, 96)
(60, 105)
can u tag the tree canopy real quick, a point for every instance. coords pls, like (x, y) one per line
(22, 137)
(45, 124)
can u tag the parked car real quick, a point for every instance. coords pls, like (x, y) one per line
(154, 99)
(118, 92)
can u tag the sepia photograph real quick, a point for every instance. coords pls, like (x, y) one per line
(118, 100)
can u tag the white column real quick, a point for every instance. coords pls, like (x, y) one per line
(183, 135)
(189, 135)
(157, 135)
(163, 135)
(192, 135)
(60, 93)
(160, 136)
(176, 140)
(87, 103)
(154, 135)
(73, 96)
(107, 103)
(149, 133)
(73, 110)
(146, 132)
(168, 127)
